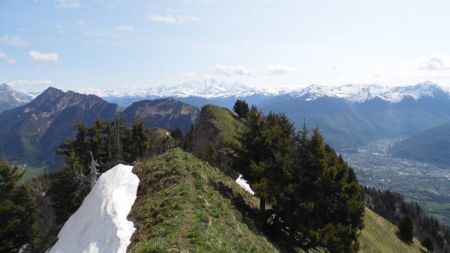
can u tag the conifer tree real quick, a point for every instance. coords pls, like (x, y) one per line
(428, 244)
(252, 152)
(241, 108)
(406, 229)
(16, 210)
(315, 198)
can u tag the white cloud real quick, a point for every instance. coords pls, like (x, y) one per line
(435, 62)
(4, 57)
(125, 28)
(277, 69)
(14, 41)
(68, 4)
(230, 70)
(174, 19)
(45, 57)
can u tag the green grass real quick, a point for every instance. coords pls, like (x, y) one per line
(32, 172)
(439, 210)
(185, 205)
(379, 236)
(228, 125)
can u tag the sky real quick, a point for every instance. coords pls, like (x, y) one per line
(128, 44)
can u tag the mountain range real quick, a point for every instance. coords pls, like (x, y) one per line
(32, 132)
(10, 98)
(349, 115)
(432, 146)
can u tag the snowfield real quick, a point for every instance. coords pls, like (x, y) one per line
(100, 225)
(243, 183)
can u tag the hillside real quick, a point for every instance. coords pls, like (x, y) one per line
(33, 131)
(163, 113)
(432, 146)
(214, 134)
(379, 236)
(185, 205)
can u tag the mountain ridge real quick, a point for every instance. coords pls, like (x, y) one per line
(210, 88)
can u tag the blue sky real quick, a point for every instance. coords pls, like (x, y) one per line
(118, 44)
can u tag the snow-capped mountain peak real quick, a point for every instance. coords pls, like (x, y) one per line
(206, 88)
(7, 92)
(211, 88)
(361, 93)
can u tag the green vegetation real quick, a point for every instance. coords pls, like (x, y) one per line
(380, 236)
(16, 210)
(314, 197)
(406, 229)
(185, 205)
(241, 108)
(307, 197)
(106, 143)
(32, 172)
(394, 208)
(228, 126)
(428, 244)
(438, 209)
(214, 136)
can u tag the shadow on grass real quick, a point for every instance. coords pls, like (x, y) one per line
(252, 218)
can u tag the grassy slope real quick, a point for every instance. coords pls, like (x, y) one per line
(226, 123)
(185, 205)
(379, 236)
(218, 127)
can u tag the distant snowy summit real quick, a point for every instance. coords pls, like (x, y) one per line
(210, 88)
(207, 88)
(361, 93)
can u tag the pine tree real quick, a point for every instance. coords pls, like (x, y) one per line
(241, 108)
(428, 244)
(314, 194)
(406, 229)
(322, 202)
(16, 210)
(252, 152)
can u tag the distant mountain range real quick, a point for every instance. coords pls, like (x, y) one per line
(10, 98)
(350, 116)
(32, 132)
(432, 146)
(211, 89)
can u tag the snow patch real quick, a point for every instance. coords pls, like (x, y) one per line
(100, 224)
(243, 183)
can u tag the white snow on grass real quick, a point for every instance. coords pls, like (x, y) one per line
(243, 183)
(100, 225)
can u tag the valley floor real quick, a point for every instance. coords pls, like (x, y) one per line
(427, 184)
